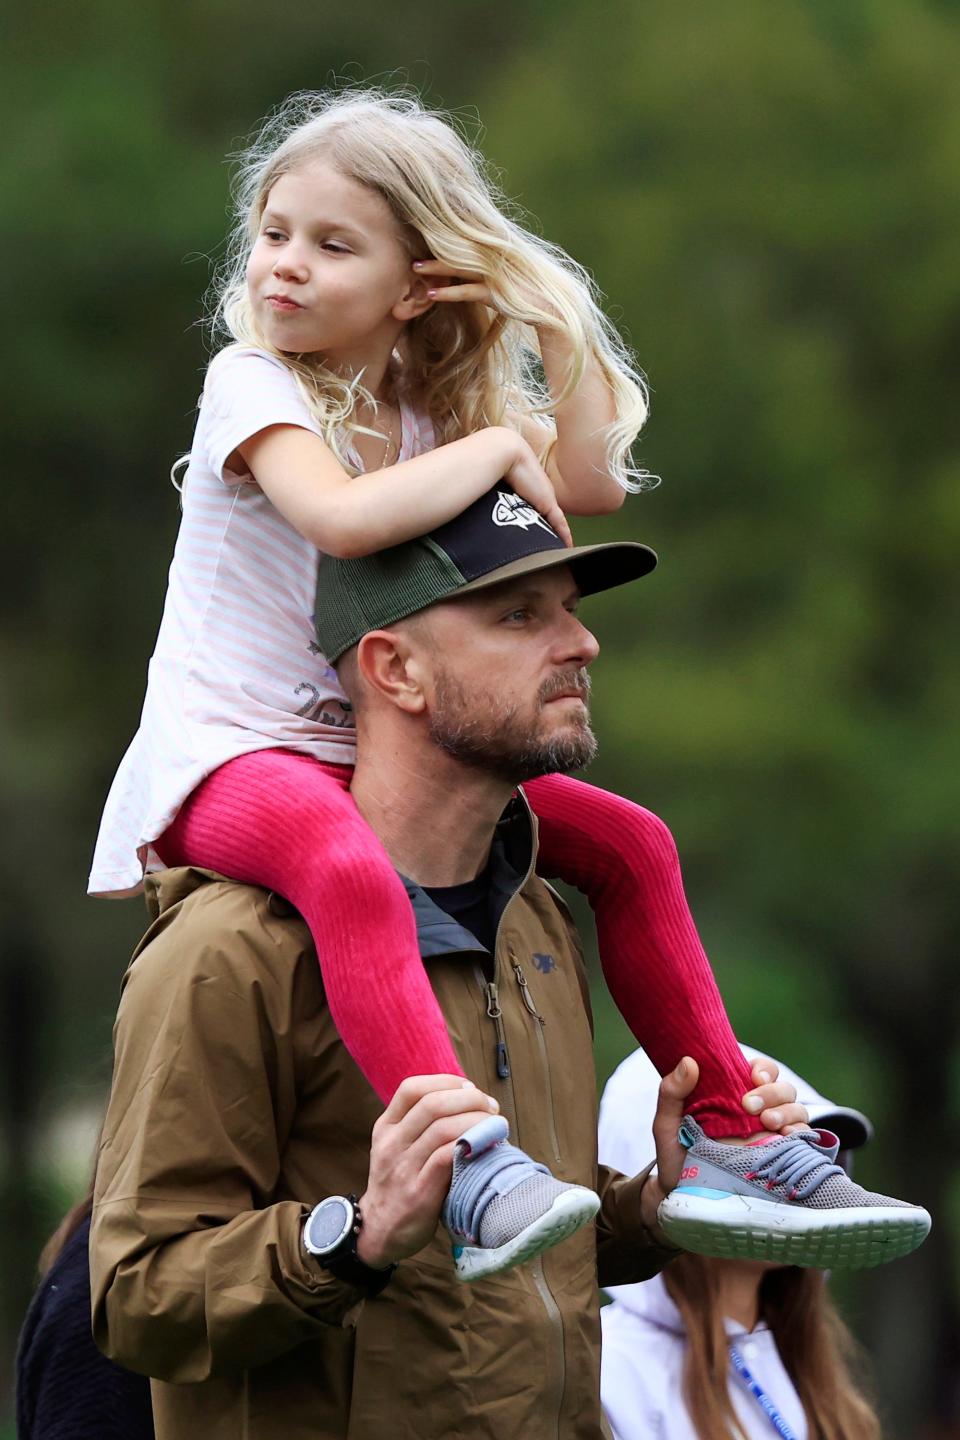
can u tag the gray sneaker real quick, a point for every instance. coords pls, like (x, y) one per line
(502, 1208)
(784, 1200)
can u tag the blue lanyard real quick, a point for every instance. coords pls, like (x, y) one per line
(761, 1396)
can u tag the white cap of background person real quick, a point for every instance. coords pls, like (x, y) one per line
(630, 1099)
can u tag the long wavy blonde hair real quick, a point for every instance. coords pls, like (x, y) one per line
(465, 365)
(818, 1351)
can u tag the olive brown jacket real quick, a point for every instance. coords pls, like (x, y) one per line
(235, 1108)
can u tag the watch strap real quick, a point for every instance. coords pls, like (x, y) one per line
(346, 1265)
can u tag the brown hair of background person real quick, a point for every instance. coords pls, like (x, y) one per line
(815, 1346)
(68, 1227)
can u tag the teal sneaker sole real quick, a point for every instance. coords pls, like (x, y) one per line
(569, 1211)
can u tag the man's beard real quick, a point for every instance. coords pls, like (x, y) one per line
(476, 730)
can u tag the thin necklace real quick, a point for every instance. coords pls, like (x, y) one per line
(388, 445)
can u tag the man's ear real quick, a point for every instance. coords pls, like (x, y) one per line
(415, 300)
(388, 665)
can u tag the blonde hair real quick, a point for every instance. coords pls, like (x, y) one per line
(466, 367)
(817, 1350)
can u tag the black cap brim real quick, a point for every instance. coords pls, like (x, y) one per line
(594, 567)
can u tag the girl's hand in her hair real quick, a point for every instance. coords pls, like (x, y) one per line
(525, 475)
(455, 287)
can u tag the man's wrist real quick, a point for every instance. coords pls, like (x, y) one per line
(370, 1255)
(651, 1194)
(370, 1247)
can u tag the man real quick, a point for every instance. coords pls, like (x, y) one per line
(235, 1108)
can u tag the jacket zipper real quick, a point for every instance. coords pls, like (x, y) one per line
(496, 1015)
(491, 992)
(557, 1360)
(530, 1006)
(508, 1107)
(556, 1378)
(525, 989)
(553, 1389)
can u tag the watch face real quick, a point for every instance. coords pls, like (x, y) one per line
(328, 1224)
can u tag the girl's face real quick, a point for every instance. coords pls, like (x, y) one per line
(328, 272)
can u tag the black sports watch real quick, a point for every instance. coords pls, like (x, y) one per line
(330, 1235)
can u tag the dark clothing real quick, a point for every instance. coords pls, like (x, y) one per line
(474, 904)
(66, 1388)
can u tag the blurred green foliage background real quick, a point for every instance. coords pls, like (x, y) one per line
(768, 192)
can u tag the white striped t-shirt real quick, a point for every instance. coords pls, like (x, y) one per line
(236, 667)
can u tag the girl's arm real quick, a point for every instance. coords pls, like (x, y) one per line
(577, 464)
(350, 516)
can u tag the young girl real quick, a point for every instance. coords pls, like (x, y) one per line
(381, 306)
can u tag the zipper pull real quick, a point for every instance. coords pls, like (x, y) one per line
(495, 1013)
(525, 991)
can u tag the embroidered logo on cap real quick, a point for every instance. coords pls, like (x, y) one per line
(509, 509)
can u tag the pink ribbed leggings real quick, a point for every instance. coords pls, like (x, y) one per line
(287, 822)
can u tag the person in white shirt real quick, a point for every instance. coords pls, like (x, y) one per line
(713, 1349)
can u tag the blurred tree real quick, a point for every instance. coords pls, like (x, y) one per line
(116, 122)
(769, 193)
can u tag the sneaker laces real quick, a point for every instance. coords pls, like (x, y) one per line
(796, 1160)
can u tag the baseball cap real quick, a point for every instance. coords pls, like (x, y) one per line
(497, 538)
(630, 1100)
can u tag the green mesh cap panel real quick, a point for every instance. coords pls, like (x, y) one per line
(497, 538)
(354, 596)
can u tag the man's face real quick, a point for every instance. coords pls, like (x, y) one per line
(509, 690)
